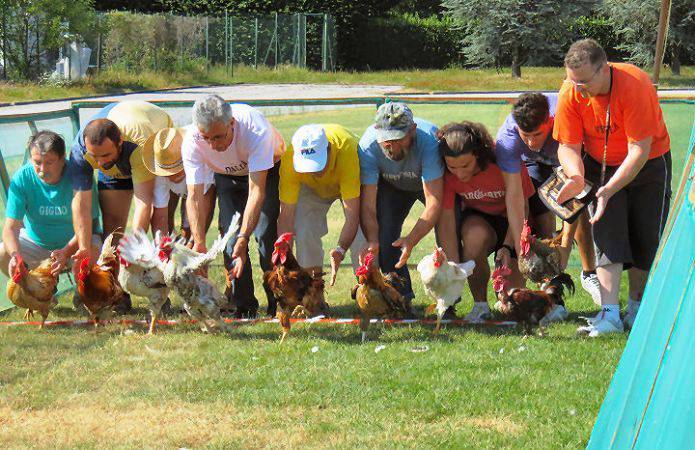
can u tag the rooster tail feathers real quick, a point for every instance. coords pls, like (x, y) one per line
(467, 267)
(108, 251)
(556, 286)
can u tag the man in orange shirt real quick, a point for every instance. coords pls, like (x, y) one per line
(612, 113)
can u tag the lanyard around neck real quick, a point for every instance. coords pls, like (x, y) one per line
(608, 129)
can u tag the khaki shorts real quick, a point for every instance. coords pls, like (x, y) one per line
(311, 224)
(32, 253)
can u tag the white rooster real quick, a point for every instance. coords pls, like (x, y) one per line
(444, 280)
(201, 298)
(141, 270)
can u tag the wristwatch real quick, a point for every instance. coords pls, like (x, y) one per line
(340, 250)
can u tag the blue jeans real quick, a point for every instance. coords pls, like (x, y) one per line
(392, 208)
(232, 195)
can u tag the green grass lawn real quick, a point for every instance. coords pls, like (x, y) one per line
(119, 81)
(474, 386)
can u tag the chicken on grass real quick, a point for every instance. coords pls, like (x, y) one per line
(378, 295)
(33, 289)
(528, 307)
(443, 280)
(141, 271)
(298, 291)
(97, 285)
(181, 265)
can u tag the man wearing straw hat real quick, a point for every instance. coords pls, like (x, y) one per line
(162, 156)
(320, 167)
(612, 112)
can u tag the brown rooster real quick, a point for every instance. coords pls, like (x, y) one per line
(526, 306)
(297, 291)
(540, 259)
(34, 289)
(98, 285)
(377, 295)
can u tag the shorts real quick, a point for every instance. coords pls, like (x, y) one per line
(107, 183)
(539, 173)
(629, 231)
(311, 224)
(499, 224)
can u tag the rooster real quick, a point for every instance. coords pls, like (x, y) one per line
(180, 266)
(98, 285)
(528, 307)
(33, 289)
(443, 280)
(141, 273)
(297, 290)
(540, 259)
(377, 295)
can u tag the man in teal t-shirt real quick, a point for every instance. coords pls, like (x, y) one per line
(38, 219)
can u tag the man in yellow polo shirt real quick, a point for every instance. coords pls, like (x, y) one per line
(320, 167)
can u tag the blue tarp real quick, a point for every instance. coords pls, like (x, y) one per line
(650, 402)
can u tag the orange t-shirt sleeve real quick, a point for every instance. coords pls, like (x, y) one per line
(568, 127)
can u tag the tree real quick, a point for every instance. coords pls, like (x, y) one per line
(636, 24)
(499, 32)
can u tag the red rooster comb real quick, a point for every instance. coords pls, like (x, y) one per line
(84, 269)
(499, 278)
(20, 270)
(526, 239)
(502, 271)
(364, 268)
(284, 237)
(439, 257)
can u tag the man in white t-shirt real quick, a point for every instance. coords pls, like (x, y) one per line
(161, 155)
(242, 148)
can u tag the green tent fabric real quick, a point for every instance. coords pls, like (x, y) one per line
(650, 402)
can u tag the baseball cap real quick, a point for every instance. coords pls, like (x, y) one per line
(310, 146)
(393, 121)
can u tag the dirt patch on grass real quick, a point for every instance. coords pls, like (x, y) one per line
(167, 425)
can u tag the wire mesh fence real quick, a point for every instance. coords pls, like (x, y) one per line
(165, 42)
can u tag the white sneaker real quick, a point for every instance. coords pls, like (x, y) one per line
(600, 325)
(591, 285)
(557, 314)
(630, 313)
(479, 313)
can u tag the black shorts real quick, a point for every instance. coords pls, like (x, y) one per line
(539, 173)
(635, 217)
(499, 224)
(107, 183)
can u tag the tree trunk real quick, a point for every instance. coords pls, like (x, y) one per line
(675, 62)
(516, 62)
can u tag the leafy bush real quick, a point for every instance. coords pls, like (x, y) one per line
(403, 41)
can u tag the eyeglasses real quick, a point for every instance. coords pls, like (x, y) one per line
(584, 84)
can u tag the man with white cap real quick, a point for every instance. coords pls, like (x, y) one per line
(320, 167)
(399, 164)
(161, 155)
(243, 150)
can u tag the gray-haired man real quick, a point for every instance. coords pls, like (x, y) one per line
(243, 150)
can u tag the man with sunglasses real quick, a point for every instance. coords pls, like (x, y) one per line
(612, 133)
(399, 164)
(243, 150)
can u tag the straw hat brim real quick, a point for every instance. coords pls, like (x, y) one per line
(149, 160)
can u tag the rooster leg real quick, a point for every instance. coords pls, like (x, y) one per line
(364, 323)
(153, 322)
(43, 320)
(285, 332)
(439, 325)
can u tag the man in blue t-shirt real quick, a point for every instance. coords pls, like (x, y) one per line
(38, 222)
(399, 164)
(526, 138)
